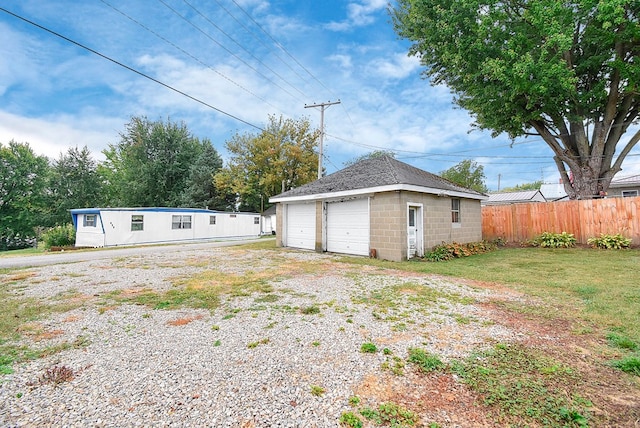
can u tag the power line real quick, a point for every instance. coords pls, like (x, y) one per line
(248, 30)
(146, 76)
(282, 48)
(242, 47)
(189, 54)
(225, 48)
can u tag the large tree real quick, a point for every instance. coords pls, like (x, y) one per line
(73, 182)
(262, 165)
(22, 181)
(567, 72)
(151, 164)
(201, 191)
(468, 174)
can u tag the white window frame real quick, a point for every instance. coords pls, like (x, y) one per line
(455, 211)
(90, 220)
(256, 220)
(629, 193)
(180, 221)
(212, 219)
(137, 222)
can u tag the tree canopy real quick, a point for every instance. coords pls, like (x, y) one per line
(22, 182)
(73, 182)
(262, 165)
(567, 72)
(523, 187)
(467, 174)
(152, 164)
(371, 155)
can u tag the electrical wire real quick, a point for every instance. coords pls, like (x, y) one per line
(140, 73)
(189, 55)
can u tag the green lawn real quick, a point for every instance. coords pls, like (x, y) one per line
(600, 286)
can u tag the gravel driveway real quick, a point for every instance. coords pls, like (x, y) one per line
(285, 354)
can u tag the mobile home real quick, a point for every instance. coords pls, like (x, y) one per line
(108, 227)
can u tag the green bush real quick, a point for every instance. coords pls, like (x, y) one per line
(554, 240)
(59, 236)
(446, 251)
(609, 242)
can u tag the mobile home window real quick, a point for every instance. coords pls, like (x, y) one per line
(137, 222)
(256, 220)
(181, 222)
(89, 220)
(629, 193)
(455, 210)
(212, 219)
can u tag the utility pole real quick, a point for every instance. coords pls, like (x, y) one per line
(322, 106)
(499, 177)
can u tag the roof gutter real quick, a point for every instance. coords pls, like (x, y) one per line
(379, 189)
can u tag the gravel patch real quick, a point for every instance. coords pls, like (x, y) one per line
(250, 363)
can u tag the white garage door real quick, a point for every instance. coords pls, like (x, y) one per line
(301, 226)
(348, 227)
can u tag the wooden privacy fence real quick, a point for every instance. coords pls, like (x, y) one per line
(584, 218)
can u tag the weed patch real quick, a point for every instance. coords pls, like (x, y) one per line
(57, 375)
(629, 364)
(524, 387)
(424, 360)
(368, 348)
(390, 414)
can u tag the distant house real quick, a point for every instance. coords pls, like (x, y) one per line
(553, 191)
(507, 198)
(620, 187)
(269, 221)
(107, 227)
(625, 186)
(379, 207)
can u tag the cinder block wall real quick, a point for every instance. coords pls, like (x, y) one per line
(388, 226)
(389, 222)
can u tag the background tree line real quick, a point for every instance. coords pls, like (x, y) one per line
(154, 163)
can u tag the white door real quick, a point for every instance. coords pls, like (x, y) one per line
(348, 227)
(301, 226)
(414, 232)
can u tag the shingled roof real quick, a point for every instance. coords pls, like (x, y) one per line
(383, 173)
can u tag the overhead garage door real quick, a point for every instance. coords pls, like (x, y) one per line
(348, 227)
(301, 226)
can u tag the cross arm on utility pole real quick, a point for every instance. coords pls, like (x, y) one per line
(322, 106)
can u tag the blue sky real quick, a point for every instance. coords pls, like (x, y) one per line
(250, 59)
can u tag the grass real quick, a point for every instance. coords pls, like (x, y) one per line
(603, 289)
(523, 385)
(17, 315)
(425, 361)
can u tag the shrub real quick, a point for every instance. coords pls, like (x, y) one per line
(609, 242)
(11, 241)
(554, 240)
(59, 236)
(446, 251)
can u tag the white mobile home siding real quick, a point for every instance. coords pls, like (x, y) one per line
(129, 226)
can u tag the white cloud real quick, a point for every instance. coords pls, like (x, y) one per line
(53, 135)
(397, 66)
(358, 15)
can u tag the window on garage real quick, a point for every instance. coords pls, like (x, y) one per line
(455, 210)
